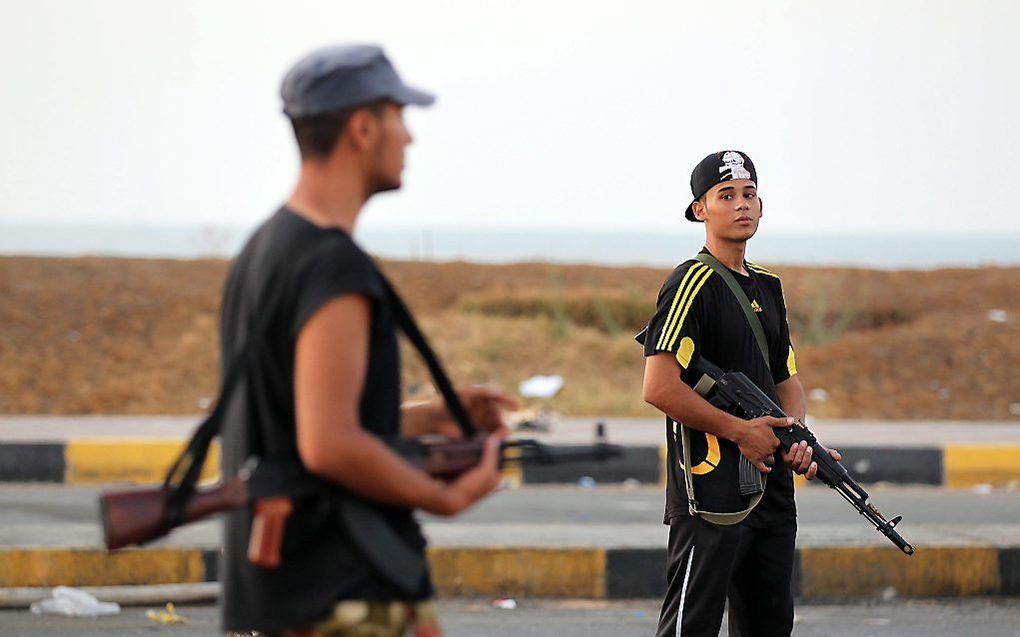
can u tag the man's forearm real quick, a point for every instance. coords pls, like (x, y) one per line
(371, 469)
(683, 404)
(791, 398)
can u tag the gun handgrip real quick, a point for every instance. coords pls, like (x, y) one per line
(267, 527)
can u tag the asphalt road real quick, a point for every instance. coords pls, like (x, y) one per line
(53, 515)
(578, 618)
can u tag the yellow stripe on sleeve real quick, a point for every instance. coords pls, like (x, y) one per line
(791, 362)
(687, 305)
(681, 293)
(760, 270)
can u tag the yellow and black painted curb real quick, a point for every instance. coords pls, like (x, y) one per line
(588, 573)
(144, 461)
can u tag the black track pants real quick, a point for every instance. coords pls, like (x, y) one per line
(708, 562)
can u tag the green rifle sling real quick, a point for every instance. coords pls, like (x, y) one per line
(724, 519)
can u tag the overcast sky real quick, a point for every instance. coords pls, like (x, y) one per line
(860, 116)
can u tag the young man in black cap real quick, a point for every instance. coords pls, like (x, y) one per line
(321, 383)
(724, 545)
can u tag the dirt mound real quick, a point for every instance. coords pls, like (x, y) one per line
(102, 335)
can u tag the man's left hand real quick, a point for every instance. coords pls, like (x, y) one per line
(484, 404)
(799, 458)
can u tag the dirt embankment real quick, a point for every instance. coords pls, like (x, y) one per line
(100, 335)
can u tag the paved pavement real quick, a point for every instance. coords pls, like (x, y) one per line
(585, 618)
(610, 516)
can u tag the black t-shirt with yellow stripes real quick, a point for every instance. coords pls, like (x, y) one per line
(697, 312)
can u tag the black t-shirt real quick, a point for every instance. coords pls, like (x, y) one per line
(289, 269)
(697, 313)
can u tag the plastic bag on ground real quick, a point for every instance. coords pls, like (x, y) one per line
(73, 603)
(540, 386)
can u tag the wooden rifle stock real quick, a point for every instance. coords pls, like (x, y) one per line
(136, 516)
(268, 522)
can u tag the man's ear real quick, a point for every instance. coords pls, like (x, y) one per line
(362, 129)
(698, 207)
(761, 207)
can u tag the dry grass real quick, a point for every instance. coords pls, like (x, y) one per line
(139, 336)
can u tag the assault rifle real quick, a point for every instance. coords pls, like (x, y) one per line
(733, 391)
(137, 516)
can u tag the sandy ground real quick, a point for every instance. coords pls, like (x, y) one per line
(139, 336)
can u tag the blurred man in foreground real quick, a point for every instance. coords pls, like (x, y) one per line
(322, 385)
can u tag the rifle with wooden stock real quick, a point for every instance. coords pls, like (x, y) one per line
(138, 516)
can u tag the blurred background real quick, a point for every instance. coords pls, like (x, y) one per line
(544, 194)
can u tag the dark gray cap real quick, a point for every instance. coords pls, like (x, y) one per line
(339, 77)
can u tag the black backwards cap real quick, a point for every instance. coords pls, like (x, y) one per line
(726, 165)
(340, 77)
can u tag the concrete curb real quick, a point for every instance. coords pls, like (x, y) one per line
(145, 461)
(590, 573)
(158, 594)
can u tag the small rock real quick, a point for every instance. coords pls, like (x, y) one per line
(889, 593)
(1014, 408)
(981, 489)
(506, 603)
(998, 316)
(586, 482)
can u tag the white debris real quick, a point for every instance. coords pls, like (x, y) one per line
(1014, 408)
(889, 593)
(586, 482)
(998, 316)
(506, 603)
(74, 603)
(818, 394)
(541, 386)
(876, 621)
(981, 489)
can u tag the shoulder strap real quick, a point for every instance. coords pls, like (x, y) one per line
(405, 321)
(742, 300)
(183, 475)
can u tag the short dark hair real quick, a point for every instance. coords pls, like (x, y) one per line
(317, 135)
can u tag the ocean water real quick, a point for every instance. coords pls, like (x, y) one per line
(663, 249)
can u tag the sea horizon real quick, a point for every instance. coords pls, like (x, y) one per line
(609, 247)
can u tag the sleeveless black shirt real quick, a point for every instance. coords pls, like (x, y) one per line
(289, 269)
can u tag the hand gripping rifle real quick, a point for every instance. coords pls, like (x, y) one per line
(733, 391)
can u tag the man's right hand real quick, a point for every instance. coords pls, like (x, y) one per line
(474, 484)
(758, 443)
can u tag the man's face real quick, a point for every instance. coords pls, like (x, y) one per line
(388, 157)
(731, 210)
